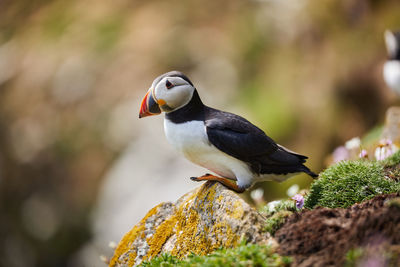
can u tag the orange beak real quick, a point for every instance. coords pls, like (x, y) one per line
(149, 106)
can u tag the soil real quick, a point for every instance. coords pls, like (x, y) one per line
(323, 236)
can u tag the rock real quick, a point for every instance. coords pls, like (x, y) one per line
(391, 130)
(207, 218)
(323, 236)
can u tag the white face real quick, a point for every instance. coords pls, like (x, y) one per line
(172, 93)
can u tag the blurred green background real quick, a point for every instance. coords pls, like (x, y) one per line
(72, 74)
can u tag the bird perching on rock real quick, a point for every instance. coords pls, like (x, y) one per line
(222, 142)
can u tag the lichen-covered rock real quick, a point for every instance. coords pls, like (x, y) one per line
(201, 221)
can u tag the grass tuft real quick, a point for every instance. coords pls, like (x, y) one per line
(392, 161)
(277, 214)
(350, 182)
(273, 223)
(243, 255)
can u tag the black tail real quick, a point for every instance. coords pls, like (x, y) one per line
(309, 172)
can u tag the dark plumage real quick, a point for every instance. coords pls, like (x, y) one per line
(239, 138)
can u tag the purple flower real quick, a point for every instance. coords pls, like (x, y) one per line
(299, 201)
(363, 154)
(384, 149)
(387, 142)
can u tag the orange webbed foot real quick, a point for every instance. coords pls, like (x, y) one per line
(226, 182)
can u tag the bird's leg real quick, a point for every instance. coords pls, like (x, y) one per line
(226, 182)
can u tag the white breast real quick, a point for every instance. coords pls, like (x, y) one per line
(391, 74)
(190, 138)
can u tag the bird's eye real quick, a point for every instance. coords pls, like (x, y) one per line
(168, 84)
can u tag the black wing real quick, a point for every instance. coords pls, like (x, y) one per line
(239, 138)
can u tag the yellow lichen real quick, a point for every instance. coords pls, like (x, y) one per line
(126, 242)
(236, 211)
(186, 228)
(132, 258)
(190, 239)
(161, 235)
(226, 237)
(193, 234)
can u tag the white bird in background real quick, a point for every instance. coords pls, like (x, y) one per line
(391, 69)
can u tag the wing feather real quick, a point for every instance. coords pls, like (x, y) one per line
(241, 139)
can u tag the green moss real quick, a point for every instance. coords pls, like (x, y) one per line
(350, 182)
(281, 205)
(276, 216)
(275, 222)
(392, 161)
(353, 256)
(243, 255)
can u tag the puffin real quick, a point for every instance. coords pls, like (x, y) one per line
(391, 68)
(238, 152)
